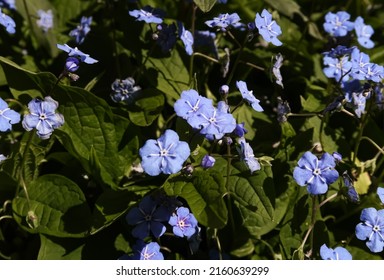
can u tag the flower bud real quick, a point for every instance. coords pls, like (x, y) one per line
(208, 161)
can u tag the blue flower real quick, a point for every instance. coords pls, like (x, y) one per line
(374, 72)
(352, 194)
(206, 39)
(183, 222)
(9, 4)
(72, 64)
(240, 130)
(42, 116)
(189, 106)
(337, 68)
(248, 96)
(283, 109)
(7, 116)
(276, 69)
(45, 20)
(246, 155)
(216, 123)
(314, 173)
(360, 62)
(166, 37)
(364, 33)
(147, 218)
(268, 28)
(164, 155)
(2, 158)
(81, 30)
(224, 21)
(7, 22)
(148, 14)
(372, 228)
(124, 90)
(77, 53)
(339, 253)
(208, 161)
(338, 24)
(187, 38)
(339, 51)
(358, 103)
(146, 252)
(380, 193)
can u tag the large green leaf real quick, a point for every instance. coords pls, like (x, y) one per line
(172, 75)
(89, 132)
(58, 205)
(204, 193)
(147, 107)
(22, 82)
(53, 248)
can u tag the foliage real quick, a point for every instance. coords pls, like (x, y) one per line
(66, 187)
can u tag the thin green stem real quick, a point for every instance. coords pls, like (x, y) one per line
(359, 136)
(228, 197)
(374, 144)
(29, 17)
(206, 57)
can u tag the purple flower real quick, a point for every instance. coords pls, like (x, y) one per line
(45, 20)
(146, 252)
(147, 218)
(208, 161)
(224, 21)
(7, 22)
(338, 24)
(314, 173)
(124, 90)
(77, 53)
(248, 96)
(81, 30)
(337, 68)
(189, 106)
(372, 228)
(246, 155)
(7, 116)
(183, 222)
(164, 155)
(339, 253)
(364, 33)
(187, 38)
(148, 14)
(42, 116)
(268, 28)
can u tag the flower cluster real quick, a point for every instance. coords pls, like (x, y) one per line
(349, 66)
(151, 218)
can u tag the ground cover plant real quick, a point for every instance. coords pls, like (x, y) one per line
(191, 129)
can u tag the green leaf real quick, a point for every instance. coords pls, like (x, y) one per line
(204, 193)
(54, 248)
(205, 5)
(58, 204)
(287, 7)
(22, 81)
(172, 75)
(147, 107)
(89, 133)
(109, 206)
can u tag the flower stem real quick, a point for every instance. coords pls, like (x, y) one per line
(232, 73)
